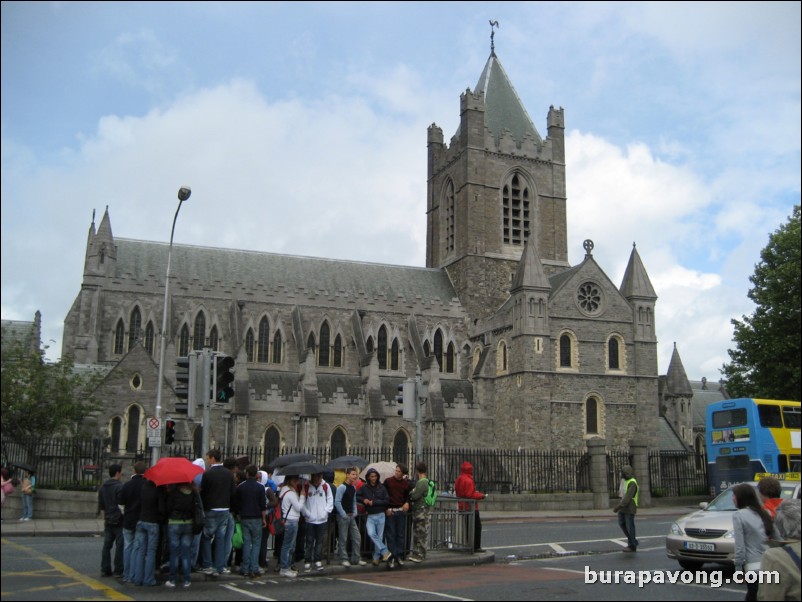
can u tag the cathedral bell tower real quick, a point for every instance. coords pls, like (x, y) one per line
(495, 186)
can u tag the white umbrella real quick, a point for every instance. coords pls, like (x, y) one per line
(385, 470)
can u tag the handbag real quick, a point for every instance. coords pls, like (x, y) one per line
(198, 517)
(236, 540)
(8, 487)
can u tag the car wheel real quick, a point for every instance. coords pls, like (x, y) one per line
(690, 565)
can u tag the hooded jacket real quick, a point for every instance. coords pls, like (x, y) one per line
(377, 493)
(629, 502)
(107, 500)
(465, 487)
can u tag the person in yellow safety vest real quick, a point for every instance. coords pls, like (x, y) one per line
(627, 507)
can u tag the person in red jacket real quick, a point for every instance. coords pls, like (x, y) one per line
(464, 487)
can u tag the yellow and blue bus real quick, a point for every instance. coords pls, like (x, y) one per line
(749, 436)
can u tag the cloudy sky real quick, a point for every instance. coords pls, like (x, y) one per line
(301, 128)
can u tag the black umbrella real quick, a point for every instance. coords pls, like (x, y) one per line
(346, 462)
(21, 465)
(291, 459)
(301, 468)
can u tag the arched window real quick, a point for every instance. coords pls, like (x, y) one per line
(338, 352)
(369, 345)
(183, 341)
(263, 346)
(427, 349)
(116, 431)
(477, 354)
(119, 338)
(272, 444)
(515, 201)
(501, 357)
(339, 443)
(592, 416)
(438, 348)
(214, 339)
(450, 358)
(310, 342)
(325, 344)
(401, 447)
(277, 347)
(382, 347)
(394, 355)
(134, 327)
(249, 340)
(450, 220)
(199, 334)
(565, 351)
(149, 338)
(612, 350)
(132, 441)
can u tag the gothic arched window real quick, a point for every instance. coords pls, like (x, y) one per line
(394, 355)
(401, 447)
(565, 351)
(119, 338)
(339, 443)
(199, 333)
(515, 206)
(214, 339)
(149, 338)
(592, 416)
(132, 440)
(277, 347)
(183, 341)
(263, 346)
(450, 358)
(325, 343)
(438, 348)
(249, 340)
(272, 444)
(612, 350)
(134, 327)
(338, 352)
(382, 348)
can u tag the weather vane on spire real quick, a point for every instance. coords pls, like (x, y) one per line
(493, 25)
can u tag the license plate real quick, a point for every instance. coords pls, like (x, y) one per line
(702, 547)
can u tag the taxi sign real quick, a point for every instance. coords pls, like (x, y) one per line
(780, 476)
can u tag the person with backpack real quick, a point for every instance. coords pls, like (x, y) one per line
(319, 504)
(785, 558)
(420, 514)
(465, 487)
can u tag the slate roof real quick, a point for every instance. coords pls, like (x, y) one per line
(142, 259)
(667, 439)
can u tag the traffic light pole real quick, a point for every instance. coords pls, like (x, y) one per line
(183, 195)
(421, 394)
(208, 361)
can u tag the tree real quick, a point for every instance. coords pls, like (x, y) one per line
(766, 360)
(41, 400)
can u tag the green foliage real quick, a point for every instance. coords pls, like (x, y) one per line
(40, 399)
(766, 360)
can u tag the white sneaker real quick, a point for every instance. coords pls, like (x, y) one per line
(169, 584)
(307, 567)
(363, 563)
(345, 563)
(289, 573)
(318, 565)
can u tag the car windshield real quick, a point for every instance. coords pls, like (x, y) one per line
(723, 503)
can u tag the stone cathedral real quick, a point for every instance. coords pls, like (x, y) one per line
(517, 348)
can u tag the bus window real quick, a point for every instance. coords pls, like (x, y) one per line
(770, 416)
(729, 418)
(782, 463)
(738, 462)
(792, 415)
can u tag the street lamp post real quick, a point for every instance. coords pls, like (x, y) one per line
(183, 195)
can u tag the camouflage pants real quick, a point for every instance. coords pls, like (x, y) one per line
(420, 530)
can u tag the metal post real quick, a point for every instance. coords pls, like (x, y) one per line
(420, 399)
(207, 358)
(183, 195)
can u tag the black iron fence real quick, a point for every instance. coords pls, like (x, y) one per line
(82, 463)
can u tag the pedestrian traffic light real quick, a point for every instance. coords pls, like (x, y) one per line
(185, 379)
(406, 397)
(223, 378)
(169, 431)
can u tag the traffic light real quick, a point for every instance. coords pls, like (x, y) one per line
(185, 380)
(406, 397)
(223, 378)
(169, 432)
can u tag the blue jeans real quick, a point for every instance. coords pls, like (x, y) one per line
(288, 547)
(112, 537)
(215, 528)
(396, 529)
(27, 506)
(128, 554)
(251, 542)
(180, 535)
(313, 550)
(375, 530)
(348, 527)
(146, 540)
(627, 524)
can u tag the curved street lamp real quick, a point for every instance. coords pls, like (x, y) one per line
(183, 194)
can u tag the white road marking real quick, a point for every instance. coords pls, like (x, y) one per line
(620, 542)
(408, 589)
(234, 588)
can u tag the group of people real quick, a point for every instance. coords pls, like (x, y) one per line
(151, 526)
(27, 488)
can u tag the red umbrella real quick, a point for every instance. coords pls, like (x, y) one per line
(172, 470)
